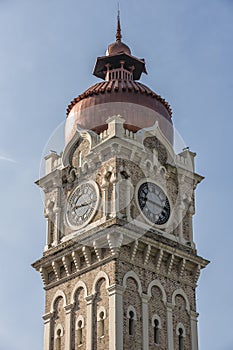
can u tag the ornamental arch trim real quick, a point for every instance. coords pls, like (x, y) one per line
(59, 328)
(132, 274)
(58, 294)
(131, 308)
(79, 285)
(157, 283)
(184, 295)
(100, 275)
(180, 325)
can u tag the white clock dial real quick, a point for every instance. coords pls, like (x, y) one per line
(153, 203)
(82, 204)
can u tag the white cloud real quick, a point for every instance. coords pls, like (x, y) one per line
(7, 159)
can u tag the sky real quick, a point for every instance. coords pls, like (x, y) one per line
(47, 53)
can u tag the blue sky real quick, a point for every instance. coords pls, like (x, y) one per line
(47, 53)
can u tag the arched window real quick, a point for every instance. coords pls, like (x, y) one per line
(181, 338)
(80, 332)
(131, 322)
(156, 331)
(101, 324)
(58, 339)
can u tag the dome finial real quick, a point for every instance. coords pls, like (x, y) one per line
(118, 33)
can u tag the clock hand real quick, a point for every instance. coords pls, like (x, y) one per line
(83, 205)
(155, 203)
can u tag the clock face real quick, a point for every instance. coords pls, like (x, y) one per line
(153, 203)
(82, 204)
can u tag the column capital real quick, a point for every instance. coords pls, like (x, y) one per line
(145, 298)
(194, 315)
(89, 299)
(47, 317)
(170, 307)
(68, 308)
(115, 289)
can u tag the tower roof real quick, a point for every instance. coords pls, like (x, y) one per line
(119, 93)
(116, 53)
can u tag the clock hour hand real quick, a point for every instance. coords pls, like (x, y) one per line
(82, 205)
(154, 203)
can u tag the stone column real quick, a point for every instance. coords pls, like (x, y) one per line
(128, 198)
(115, 199)
(115, 317)
(145, 317)
(193, 318)
(105, 199)
(170, 340)
(181, 208)
(89, 325)
(47, 330)
(48, 234)
(68, 328)
(57, 211)
(191, 212)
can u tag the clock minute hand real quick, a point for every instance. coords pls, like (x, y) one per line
(83, 205)
(155, 203)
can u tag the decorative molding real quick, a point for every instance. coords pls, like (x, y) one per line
(44, 275)
(170, 264)
(56, 269)
(180, 325)
(197, 273)
(182, 267)
(184, 295)
(159, 259)
(98, 251)
(58, 294)
(146, 254)
(66, 263)
(134, 248)
(132, 274)
(76, 260)
(157, 283)
(156, 317)
(115, 241)
(79, 285)
(101, 309)
(80, 318)
(87, 254)
(131, 308)
(100, 275)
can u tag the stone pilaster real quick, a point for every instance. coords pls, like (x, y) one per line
(47, 330)
(170, 340)
(145, 316)
(68, 328)
(115, 317)
(89, 325)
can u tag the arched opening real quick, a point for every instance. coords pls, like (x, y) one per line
(101, 324)
(131, 322)
(181, 338)
(58, 340)
(156, 331)
(80, 333)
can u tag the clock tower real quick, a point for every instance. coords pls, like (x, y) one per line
(120, 265)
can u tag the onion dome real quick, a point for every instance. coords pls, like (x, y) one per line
(118, 47)
(119, 93)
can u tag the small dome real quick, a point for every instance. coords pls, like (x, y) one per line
(118, 48)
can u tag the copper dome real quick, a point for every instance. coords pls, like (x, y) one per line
(119, 94)
(117, 48)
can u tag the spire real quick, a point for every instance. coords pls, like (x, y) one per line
(118, 33)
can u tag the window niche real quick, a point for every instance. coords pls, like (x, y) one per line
(156, 325)
(101, 322)
(80, 330)
(132, 318)
(180, 331)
